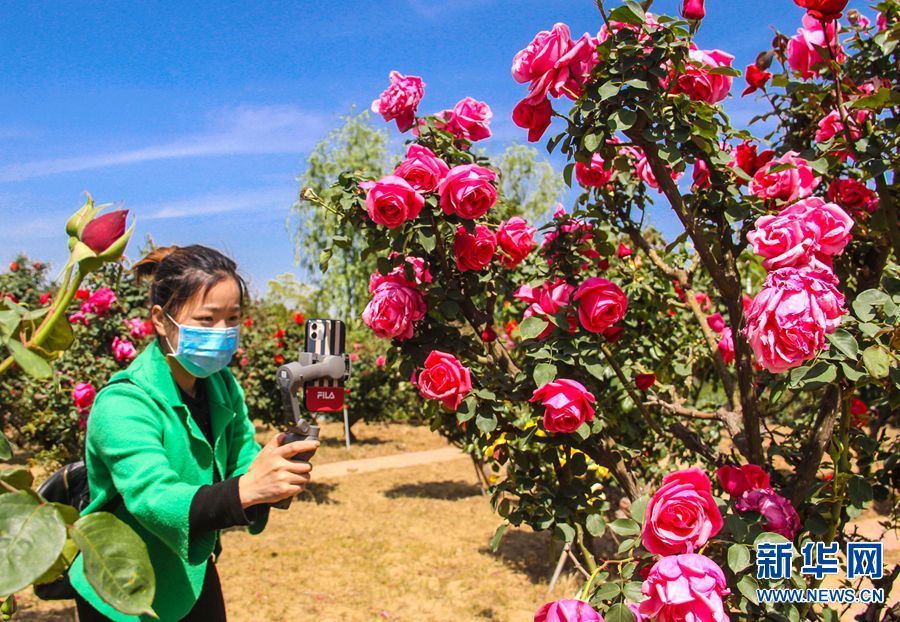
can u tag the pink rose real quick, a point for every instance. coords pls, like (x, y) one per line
(788, 319)
(736, 480)
(567, 611)
(645, 173)
(596, 174)
(682, 515)
(444, 378)
(100, 301)
(400, 100)
(138, 327)
(693, 9)
(474, 252)
(623, 251)
(685, 588)
(533, 114)
(546, 300)
(716, 322)
(422, 169)
(393, 310)
(567, 405)
(468, 191)
(79, 317)
(701, 175)
(828, 10)
(470, 119)
(380, 361)
(542, 54)
(123, 350)
(391, 201)
(831, 126)
(881, 21)
(698, 83)
(600, 304)
(83, 395)
(746, 159)
(853, 195)
(420, 274)
(726, 346)
(796, 182)
(516, 240)
(554, 64)
(804, 50)
(779, 514)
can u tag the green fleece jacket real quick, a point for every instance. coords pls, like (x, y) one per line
(143, 443)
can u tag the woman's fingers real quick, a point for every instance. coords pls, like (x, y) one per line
(292, 449)
(295, 467)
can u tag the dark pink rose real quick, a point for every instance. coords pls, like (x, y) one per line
(788, 320)
(474, 252)
(796, 182)
(693, 9)
(805, 50)
(716, 322)
(682, 515)
(468, 191)
(400, 100)
(422, 169)
(123, 350)
(420, 274)
(726, 346)
(881, 21)
(701, 175)
(594, 175)
(533, 114)
(380, 361)
(746, 159)
(853, 195)
(779, 514)
(567, 405)
(756, 79)
(698, 83)
(623, 251)
(828, 10)
(445, 379)
(100, 301)
(79, 317)
(393, 310)
(83, 395)
(547, 300)
(600, 304)
(138, 327)
(567, 611)
(736, 480)
(391, 201)
(831, 125)
(685, 588)
(516, 239)
(103, 231)
(470, 119)
(542, 54)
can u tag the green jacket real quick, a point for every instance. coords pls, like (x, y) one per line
(143, 443)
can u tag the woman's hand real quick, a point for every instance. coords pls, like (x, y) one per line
(272, 476)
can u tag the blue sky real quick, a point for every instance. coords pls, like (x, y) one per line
(197, 116)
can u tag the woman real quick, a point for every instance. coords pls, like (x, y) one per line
(170, 448)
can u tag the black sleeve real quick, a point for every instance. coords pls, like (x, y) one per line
(218, 506)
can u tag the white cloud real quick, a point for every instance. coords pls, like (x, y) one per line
(241, 130)
(270, 198)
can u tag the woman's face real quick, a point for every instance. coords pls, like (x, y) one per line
(220, 307)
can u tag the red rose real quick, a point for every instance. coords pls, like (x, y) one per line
(279, 359)
(600, 304)
(623, 251)
(516, 240)
(756, 79)
(567, 405)
(444, 378)
(82, 294)
(533, 114)
(103, 231)
(474, 252)
(488, 335)
(13, 266)
(644, 381)
(827, 10)
(746, 159)
(613, 333)
(278, 334)
(298, 318)
(45, 298)
(853, 195)
(248, 322)
(736, 480)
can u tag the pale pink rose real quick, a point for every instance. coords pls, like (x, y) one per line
(594, 175)
(796, 182)
(804, 50)
(726, 346)
(100, 301)
(567, 611)
(391, 201)
(470, 119)
(779, 514)
(422, 169)
(444, 378)
(831, 125)
(400, 100)
(468, 191)
(381, 361)
(542, 54)
(474, 252)
(533, 114)
(601, 303)
(393, 310)
(516, 239)
(83, 395)
(788, 320)
(698, 83)
(736, 480)
(123, 350)
(682, 515)
(685, 588)
(807, 233)
(137, 327)
(716, 322)
(567, 405)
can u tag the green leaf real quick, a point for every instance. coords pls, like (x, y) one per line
(747, 586)
(564, 532)
(626, 15)
(738, 557)
(818, 375)
(30, 362)
(466, 409)
(595, 524)
(864, 304)
(632, 591)
(860, 491)
(592, 141)
(724, 71)
(486, 424)
(498, 536)
(18, 477)
(639, 508)
(619, 613)
(32, 535)
(851, 373)
(625, 527)
(877, 361)
(606, 591)
(622, 119)
(531, 327)
(5, 448)
(116, 563)
(544, 373)
(845, 343)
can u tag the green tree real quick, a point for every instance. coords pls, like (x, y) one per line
(529, 183)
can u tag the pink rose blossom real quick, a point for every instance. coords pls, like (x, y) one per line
(716, 322)
(645, 173)
(444, 378)
(100, 301)
(831, 126)
(601, 303)
(546, 300)
(693, 9)
(682, 515)
(804, 50)
(391, 201)
(422, 169)
(796, 182)
(83, 395)
(400, 100)
(881, 22)
(567, 405)
(596, 174)
(470, 119)
(788, 320)
(393, 310)
(726, 346)
(474, 252)
(533, 114)
(468, 191)
(381, 361)
(567, 611)
(123, 350)
(555, 64)
(516, 239)
(779, 514)
(79, 317)
(138, 328)
(685, 588)
(698, 83)
(736, 480)
(420, 274)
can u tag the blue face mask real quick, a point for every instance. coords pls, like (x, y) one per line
(203, 351)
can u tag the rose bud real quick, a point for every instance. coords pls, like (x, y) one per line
(693, 9)
(644, 381)
(103, 231)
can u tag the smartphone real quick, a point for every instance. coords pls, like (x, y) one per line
(325, 337)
